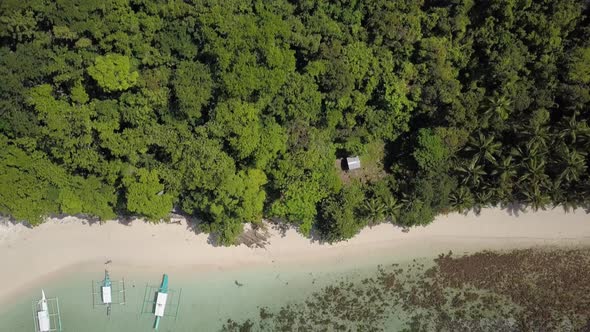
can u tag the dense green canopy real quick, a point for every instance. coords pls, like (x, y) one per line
(232, 110)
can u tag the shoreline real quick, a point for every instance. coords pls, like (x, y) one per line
(60, 245)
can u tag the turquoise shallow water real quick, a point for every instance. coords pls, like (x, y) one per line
(207, 299)
(363, 294)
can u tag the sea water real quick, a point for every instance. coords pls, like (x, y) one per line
(207, 299)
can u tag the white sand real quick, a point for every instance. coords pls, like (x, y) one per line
(28, 256)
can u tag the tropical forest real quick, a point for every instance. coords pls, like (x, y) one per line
(236, 111)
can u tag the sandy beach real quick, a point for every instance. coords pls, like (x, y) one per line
(28, 256)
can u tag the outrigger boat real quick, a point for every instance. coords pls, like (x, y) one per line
(43, 314)
(46, 314)
(161, 301)
(106, 291)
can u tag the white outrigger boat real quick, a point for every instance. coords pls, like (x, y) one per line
(107, 298)
(161, 299)
(166, 304)
(108, 292)
(43, 314)
(46, 314)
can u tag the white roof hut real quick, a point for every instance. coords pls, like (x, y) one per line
(353, 163)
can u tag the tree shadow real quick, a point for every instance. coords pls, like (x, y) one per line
(59, 217)
(193, 223)
(514, 209)
(283, 226)
(280, 225)
(125, 220)
(344, 164)
(213, 240)
(255, 236)
(315, 236)
(10, 220)
(85, 219)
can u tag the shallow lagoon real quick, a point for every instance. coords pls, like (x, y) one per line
(208, 299)
(513, 290)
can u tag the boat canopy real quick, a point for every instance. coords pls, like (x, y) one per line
(160, 304)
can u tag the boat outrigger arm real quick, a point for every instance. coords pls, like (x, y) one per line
(161, 301)
(43, 314)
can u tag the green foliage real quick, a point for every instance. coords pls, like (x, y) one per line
(238, 110)
(88, 196)
(430, 153)
(32, 187)
(298, 203)
(193, 88)
(28, 186)
(429, 196)
(579, 66)
(239, 199)
(113, 72)
(304, 176)
(18, 25)
(341, 214)
(145, 195)
(239, 124)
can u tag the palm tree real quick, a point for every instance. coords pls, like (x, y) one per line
(571, 129)
(534, 172)
(406, 204)
(472, 173)
(505, 169)
(569, 203)
(505, 194)
(584, 189)
(536, 134)
(484, 197)
(535, 198)
(374, 210)
(530, 150)
(392, 208)
(498, 108)
(572, 163)
(484, 147)
(461, 199)
(583, 138)
(563, 196)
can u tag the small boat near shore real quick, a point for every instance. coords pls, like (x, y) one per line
(108, 292)
(46, 314)
(43, 314)
(107, 298)
(161, 301)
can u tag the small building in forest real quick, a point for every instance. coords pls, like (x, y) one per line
(353, 163)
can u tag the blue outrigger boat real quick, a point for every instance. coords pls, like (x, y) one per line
(161, 301)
